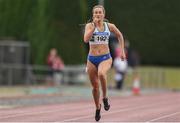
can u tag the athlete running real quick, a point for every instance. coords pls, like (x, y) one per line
(99, 60)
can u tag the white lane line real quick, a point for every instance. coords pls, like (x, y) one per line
(22, 113)
(118, 111)
(51, 111)
(44, 112)
(165, 116)
(26, 113)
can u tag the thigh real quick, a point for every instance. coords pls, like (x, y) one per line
(92, 72)
(104, 66)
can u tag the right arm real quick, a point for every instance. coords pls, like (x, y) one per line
(89, 29)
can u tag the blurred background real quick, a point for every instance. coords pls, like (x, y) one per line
(31, 31)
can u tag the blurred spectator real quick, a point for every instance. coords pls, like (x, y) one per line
(133, 62)
(56, 66)
(132, 56)
(120, 68)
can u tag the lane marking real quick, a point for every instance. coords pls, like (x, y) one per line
(164, 116)
(76, 108)
(68, 107)
(118, 111)
(43, 112)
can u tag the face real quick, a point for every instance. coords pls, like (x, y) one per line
(53, 52)
(98, 13)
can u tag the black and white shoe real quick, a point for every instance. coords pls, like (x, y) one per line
(98, 114)
(106, 104)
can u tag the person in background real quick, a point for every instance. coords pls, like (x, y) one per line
(56, 66)
(120, 67)
(133, 63)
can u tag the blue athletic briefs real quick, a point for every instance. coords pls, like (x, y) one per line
(96, 60)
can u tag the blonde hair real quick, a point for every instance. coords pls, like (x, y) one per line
(98, 6)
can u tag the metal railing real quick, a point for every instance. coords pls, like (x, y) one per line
(152, 78)
(11, 74)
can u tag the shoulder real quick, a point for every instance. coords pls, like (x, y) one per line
(89, 25)
(111, 26)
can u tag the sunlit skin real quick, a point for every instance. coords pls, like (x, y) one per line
(100, 73)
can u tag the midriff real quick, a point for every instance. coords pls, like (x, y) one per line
(99, 49)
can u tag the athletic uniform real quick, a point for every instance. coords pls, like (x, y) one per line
(99, 38)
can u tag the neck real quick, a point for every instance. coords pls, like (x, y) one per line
(100, 23)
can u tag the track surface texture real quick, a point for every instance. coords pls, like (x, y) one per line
(159, 107)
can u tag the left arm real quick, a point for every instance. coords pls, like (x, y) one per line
(120, 38)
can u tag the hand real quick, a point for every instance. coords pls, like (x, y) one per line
(95, 20)
(123, 56)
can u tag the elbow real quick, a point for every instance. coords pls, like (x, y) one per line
(118, 35)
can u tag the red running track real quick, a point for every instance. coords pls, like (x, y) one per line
(164, 107)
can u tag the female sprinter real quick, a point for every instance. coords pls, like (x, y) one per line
(99, 60)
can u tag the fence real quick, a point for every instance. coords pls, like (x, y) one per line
(15, 67)
(13, 53)
(13, 74)
(36, 74)
(148, 78)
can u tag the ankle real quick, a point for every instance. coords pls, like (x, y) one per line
(105, 98)
(99, 107)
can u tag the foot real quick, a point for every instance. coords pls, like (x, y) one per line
(106, 104)
(98, 114)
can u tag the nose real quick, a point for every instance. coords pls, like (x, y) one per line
(98, 14)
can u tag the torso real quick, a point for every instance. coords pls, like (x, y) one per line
(99, 44)
(99, 49)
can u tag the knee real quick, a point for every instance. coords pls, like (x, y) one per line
(101, 74)
(95, 85)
